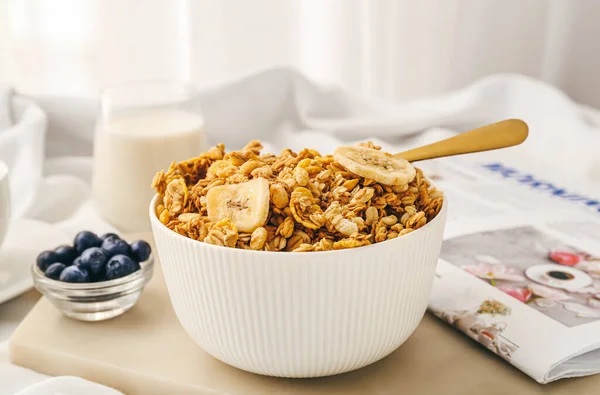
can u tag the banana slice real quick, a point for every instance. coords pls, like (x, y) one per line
(379, 166)
(245, 204)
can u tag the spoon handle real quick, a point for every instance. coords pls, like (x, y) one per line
(496, 135)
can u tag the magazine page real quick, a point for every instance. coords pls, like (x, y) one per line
(520, 265)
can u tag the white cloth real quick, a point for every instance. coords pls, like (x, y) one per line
(283, 109)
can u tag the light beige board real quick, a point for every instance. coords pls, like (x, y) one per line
(146, 352)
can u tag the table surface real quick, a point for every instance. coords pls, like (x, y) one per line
(13, 311)
(150, 353)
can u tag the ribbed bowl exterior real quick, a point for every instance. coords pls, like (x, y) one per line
(300, 314)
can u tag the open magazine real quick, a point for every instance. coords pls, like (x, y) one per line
(519, 269)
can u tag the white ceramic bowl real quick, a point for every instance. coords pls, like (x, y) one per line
(4, 201)
(303, 314)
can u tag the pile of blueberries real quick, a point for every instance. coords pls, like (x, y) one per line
(93, 258)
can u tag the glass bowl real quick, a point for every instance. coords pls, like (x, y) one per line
(94, 301)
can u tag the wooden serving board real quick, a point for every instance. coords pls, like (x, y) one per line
(146, 352)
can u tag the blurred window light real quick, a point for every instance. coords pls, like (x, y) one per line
(58, 24)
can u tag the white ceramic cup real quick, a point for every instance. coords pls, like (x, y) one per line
(4, 200)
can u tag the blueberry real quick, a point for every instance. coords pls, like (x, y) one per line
(112, 247)
(120, 266)
(66, 254)
(55, 270)
(140, 250)
(74, 274)
(45, 259)
(107, 235)
(93, 260)
(77, 261)
(85, 240)
(97, 278)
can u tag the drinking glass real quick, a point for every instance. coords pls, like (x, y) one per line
(141, 128)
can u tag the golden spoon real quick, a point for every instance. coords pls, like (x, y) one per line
(501, 134)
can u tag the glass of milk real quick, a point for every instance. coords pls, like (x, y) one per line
(142, 127)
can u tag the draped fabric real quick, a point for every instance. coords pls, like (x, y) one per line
(393, 49)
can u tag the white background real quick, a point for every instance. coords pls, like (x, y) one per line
(395, 49)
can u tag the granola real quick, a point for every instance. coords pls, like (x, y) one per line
(301, 201)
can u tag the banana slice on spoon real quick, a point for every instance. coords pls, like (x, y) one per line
(396, 170)
(245, 204)
(377, 165)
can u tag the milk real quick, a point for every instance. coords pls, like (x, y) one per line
(129, 150)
